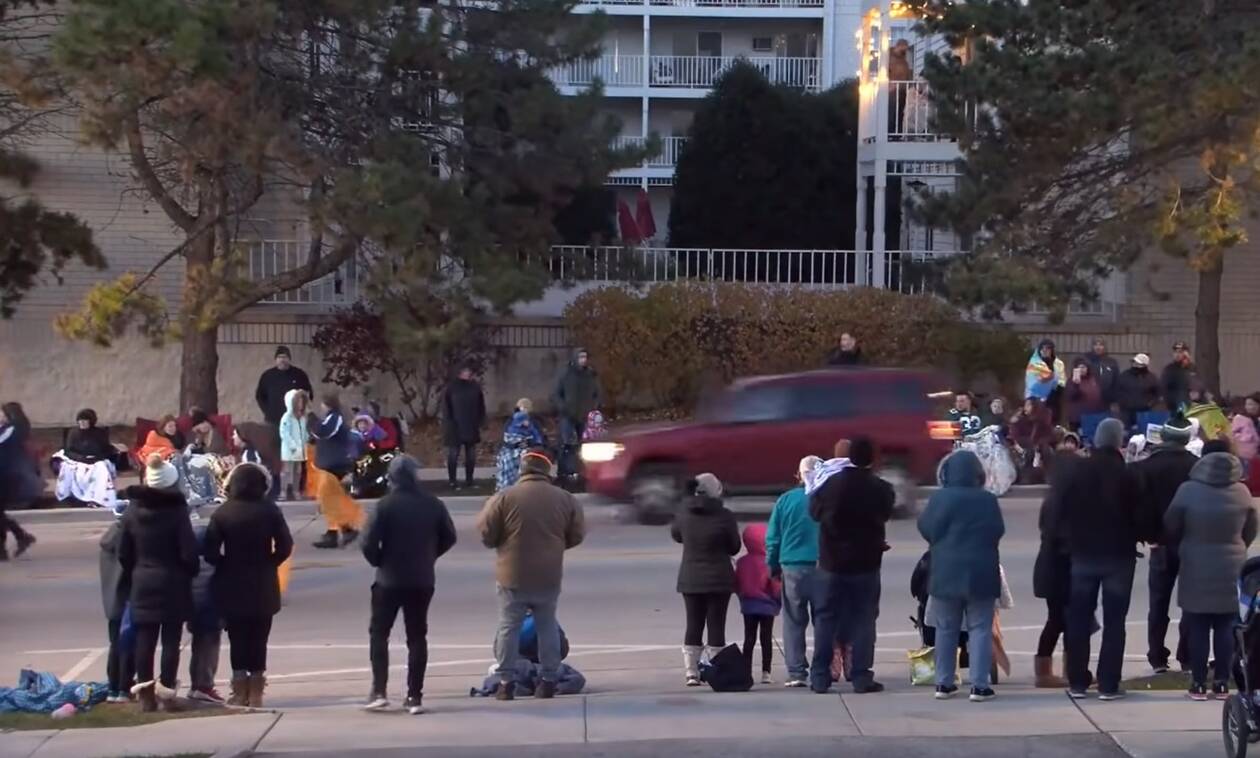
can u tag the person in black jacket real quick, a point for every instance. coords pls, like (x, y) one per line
(334, 458)
(158, 550)
(463, 416)
(706, 578)
(88, 443)
(275, 382)
(852, 509)
(1175, 381)
(1099, 513)
(1137, 390)
(1160, 475)
(20, 482)
(115, 589)
(1104, 369)
(246, 542)
(409, 532)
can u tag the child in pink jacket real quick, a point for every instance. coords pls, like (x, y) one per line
(760, 598)
(1244, 432)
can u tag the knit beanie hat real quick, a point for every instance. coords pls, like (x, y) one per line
(536, 462)
(708, 485)
(862, 452)
(159, 474)
(1177, 430)
(1110, 434)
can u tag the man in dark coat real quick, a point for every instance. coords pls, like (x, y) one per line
(1100, 506)
(273, 385)
(1175, 381)
(409, 532)
(1104, 369)
(847, 353)
(1137, 390)
(1160, 476)
(464, 413)
(852, 509)
(577, 394)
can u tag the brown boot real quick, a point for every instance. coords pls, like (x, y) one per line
(240, 691)
(1043, 669)
(257, 683)
(146, 697)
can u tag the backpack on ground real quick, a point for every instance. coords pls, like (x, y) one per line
(727, 671)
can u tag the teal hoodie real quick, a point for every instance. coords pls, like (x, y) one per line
(791, 535)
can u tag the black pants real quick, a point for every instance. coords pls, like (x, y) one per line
(119, 667)
(1165, 564)
(147, 636)
(753, 625)
(7, 526)
(248, 635)
(470, 461)
(1056, 625)
(706, 610)
(1214, 630)
(414, 604)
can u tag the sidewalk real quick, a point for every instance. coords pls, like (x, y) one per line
(1148, 725)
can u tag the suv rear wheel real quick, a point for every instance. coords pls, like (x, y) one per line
(906, 505)
(655, 490)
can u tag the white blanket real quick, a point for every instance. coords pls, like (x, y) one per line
(91, 483)
(824, 471)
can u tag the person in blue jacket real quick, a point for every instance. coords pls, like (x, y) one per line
(963, 526)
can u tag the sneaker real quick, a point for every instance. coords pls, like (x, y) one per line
(946, 693)
(326, 542)
(206, 695)
(24, 542)
(1220, 691)
(868, 688)
(766, 678)
(376, 703)
(693, 681)
(795, 684)
(1077, 694)
(1198, 693)
(546, 690)
(1108, 697)
(982, 694)
(117, 697)
(412, 706)
(1159, 668)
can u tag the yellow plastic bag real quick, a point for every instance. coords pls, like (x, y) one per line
(923, 667)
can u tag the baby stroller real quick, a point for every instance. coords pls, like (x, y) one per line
(919, 581)
(1238, 720)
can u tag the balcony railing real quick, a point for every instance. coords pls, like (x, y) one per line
(667, 158)
(612, 70)
(910, 114)
(700, 72)
(810, 268)
(266, 258)
(713, 3)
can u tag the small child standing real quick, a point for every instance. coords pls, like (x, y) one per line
(293, 439)
(115, 590)
(207, 633)
(760, 598)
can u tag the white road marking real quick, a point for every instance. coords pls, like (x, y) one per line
(84, 663)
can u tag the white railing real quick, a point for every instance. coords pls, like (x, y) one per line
(266, 258)
(667, 158)
(699, 71)
(910, 114)
(811, 268)
(713, 3)
(612, 70)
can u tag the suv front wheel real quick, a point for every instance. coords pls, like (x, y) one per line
(655, 490)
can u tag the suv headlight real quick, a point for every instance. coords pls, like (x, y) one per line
(600, 452)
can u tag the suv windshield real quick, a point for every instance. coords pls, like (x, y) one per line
(816, 400)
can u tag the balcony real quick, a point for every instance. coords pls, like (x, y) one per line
(907, 113)
(684, 72)
(667, 158)
(265, 258)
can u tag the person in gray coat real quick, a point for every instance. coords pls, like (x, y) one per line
(1212, 521)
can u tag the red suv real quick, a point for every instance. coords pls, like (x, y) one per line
(754, 434)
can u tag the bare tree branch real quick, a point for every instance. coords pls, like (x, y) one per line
(152, 184)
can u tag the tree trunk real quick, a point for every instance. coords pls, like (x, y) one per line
(1207, 324)
(199, 370)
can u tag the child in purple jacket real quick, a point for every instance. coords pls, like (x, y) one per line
(759, 598)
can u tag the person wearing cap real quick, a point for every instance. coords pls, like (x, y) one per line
(530, 525)
(158, 550)
(792, 553)
(1175, 381)
(852, 509)
(1099, 514)
(1159, 476)
(706, 578)
(275, 382)
(1137, 390)
(410, 530)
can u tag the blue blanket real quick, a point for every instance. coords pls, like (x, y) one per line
(41, 692)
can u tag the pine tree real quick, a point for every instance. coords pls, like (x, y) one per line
(403, 130)
(1104, 127)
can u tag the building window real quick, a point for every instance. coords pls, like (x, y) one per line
(763, 44)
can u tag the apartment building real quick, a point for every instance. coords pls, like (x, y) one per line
(659, 58)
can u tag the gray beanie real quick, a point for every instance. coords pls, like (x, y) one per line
(1110, 434)
(403, 473)
(1177, 431)
(708, 485)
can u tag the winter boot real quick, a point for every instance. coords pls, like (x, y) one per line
(240, 690)
(24, 542)
(166, 697)
(691, 664)
(328, 541)
(144, 694)
(1043, 670)
(257, 683)
(348, 535)
(506, 691)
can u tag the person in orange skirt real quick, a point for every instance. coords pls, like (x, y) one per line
(334, 456)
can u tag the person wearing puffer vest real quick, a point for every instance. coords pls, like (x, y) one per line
(1212, 521)
(759, 599)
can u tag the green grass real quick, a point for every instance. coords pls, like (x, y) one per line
(108, 716)
(1172, 681)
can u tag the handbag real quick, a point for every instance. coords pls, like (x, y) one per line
(727, 671)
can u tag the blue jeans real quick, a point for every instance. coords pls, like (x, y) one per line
(513, 605)
(1217, 631)
(949, 613)
(798, 596)
(1114, 577)
(846, 607)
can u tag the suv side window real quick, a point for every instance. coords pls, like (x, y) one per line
(824, 401)
(753, 404)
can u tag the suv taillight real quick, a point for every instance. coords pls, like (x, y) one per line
(943, 430)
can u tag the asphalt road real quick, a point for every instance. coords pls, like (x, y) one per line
(618, 608)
